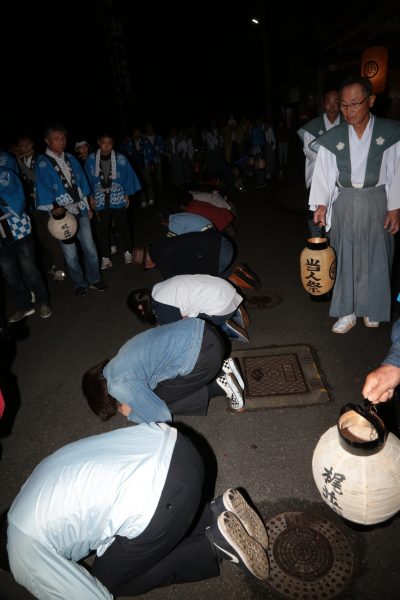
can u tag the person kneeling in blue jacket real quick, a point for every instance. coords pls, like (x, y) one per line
(170, 370)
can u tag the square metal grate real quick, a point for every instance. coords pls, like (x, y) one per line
(281, 376)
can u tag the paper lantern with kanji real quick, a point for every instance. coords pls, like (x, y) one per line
(374, 65)
(62, 224)
(356, 466)
(318, 266)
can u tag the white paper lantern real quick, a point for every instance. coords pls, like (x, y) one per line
(356, 468)
(62, 224)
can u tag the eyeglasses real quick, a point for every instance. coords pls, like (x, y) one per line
(353, 105)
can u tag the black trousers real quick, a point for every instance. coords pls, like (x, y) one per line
(197, 252)
(173, 548)
(102, 222)
(166, 313)
(189, 394)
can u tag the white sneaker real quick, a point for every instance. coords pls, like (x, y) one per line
(105, 263)
(232, 542)
(229, 366)
(113, 249)
(151, 201)
(232, 390)
(143, 204)
(344, 324)
(369, 323)
(128, 257)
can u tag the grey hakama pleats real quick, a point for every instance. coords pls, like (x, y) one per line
(364, 252)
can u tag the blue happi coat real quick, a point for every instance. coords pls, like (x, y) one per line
(123, 182)
(8, 160)
(12, 207)
(50, 188)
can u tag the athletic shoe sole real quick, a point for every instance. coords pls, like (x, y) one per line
(251, 554)
(241, 318)
(245, 269)
(229, 366)
(234, 502)
(240, 282)
(234, 332)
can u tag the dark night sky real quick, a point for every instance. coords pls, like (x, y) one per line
(185, 64)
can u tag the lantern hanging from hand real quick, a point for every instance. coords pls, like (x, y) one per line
(318, 266)
(356, 466)
(374, 65)
(62, 224)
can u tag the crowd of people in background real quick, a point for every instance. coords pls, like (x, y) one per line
(97, 181)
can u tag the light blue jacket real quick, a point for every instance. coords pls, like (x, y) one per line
(184, 222)
(78, 499)
(147, 359)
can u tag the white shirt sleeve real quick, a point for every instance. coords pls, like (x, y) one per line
(311, 157)
(391, 168)
(324, 190)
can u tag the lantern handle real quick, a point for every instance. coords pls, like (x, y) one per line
(368, 412)
(367, 404)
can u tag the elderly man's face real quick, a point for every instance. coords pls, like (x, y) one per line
(355, 105)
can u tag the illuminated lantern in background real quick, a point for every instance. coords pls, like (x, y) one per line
(374, 65)
(318, 266)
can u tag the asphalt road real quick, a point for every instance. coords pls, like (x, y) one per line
(267, 453)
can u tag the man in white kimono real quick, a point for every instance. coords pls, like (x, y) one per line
(356, 196)
(311, 130)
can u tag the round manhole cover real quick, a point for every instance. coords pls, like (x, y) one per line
(310, 558)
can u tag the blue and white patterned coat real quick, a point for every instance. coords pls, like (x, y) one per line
(122, 183)
(8, 160)
(50, 188)
(12, 194)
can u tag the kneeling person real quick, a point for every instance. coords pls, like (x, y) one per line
(170, 370)
(133, 496)
(211, 298)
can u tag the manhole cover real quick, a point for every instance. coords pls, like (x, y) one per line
(274, 374)
(310, 558)
(262, 301)
(281, 376)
